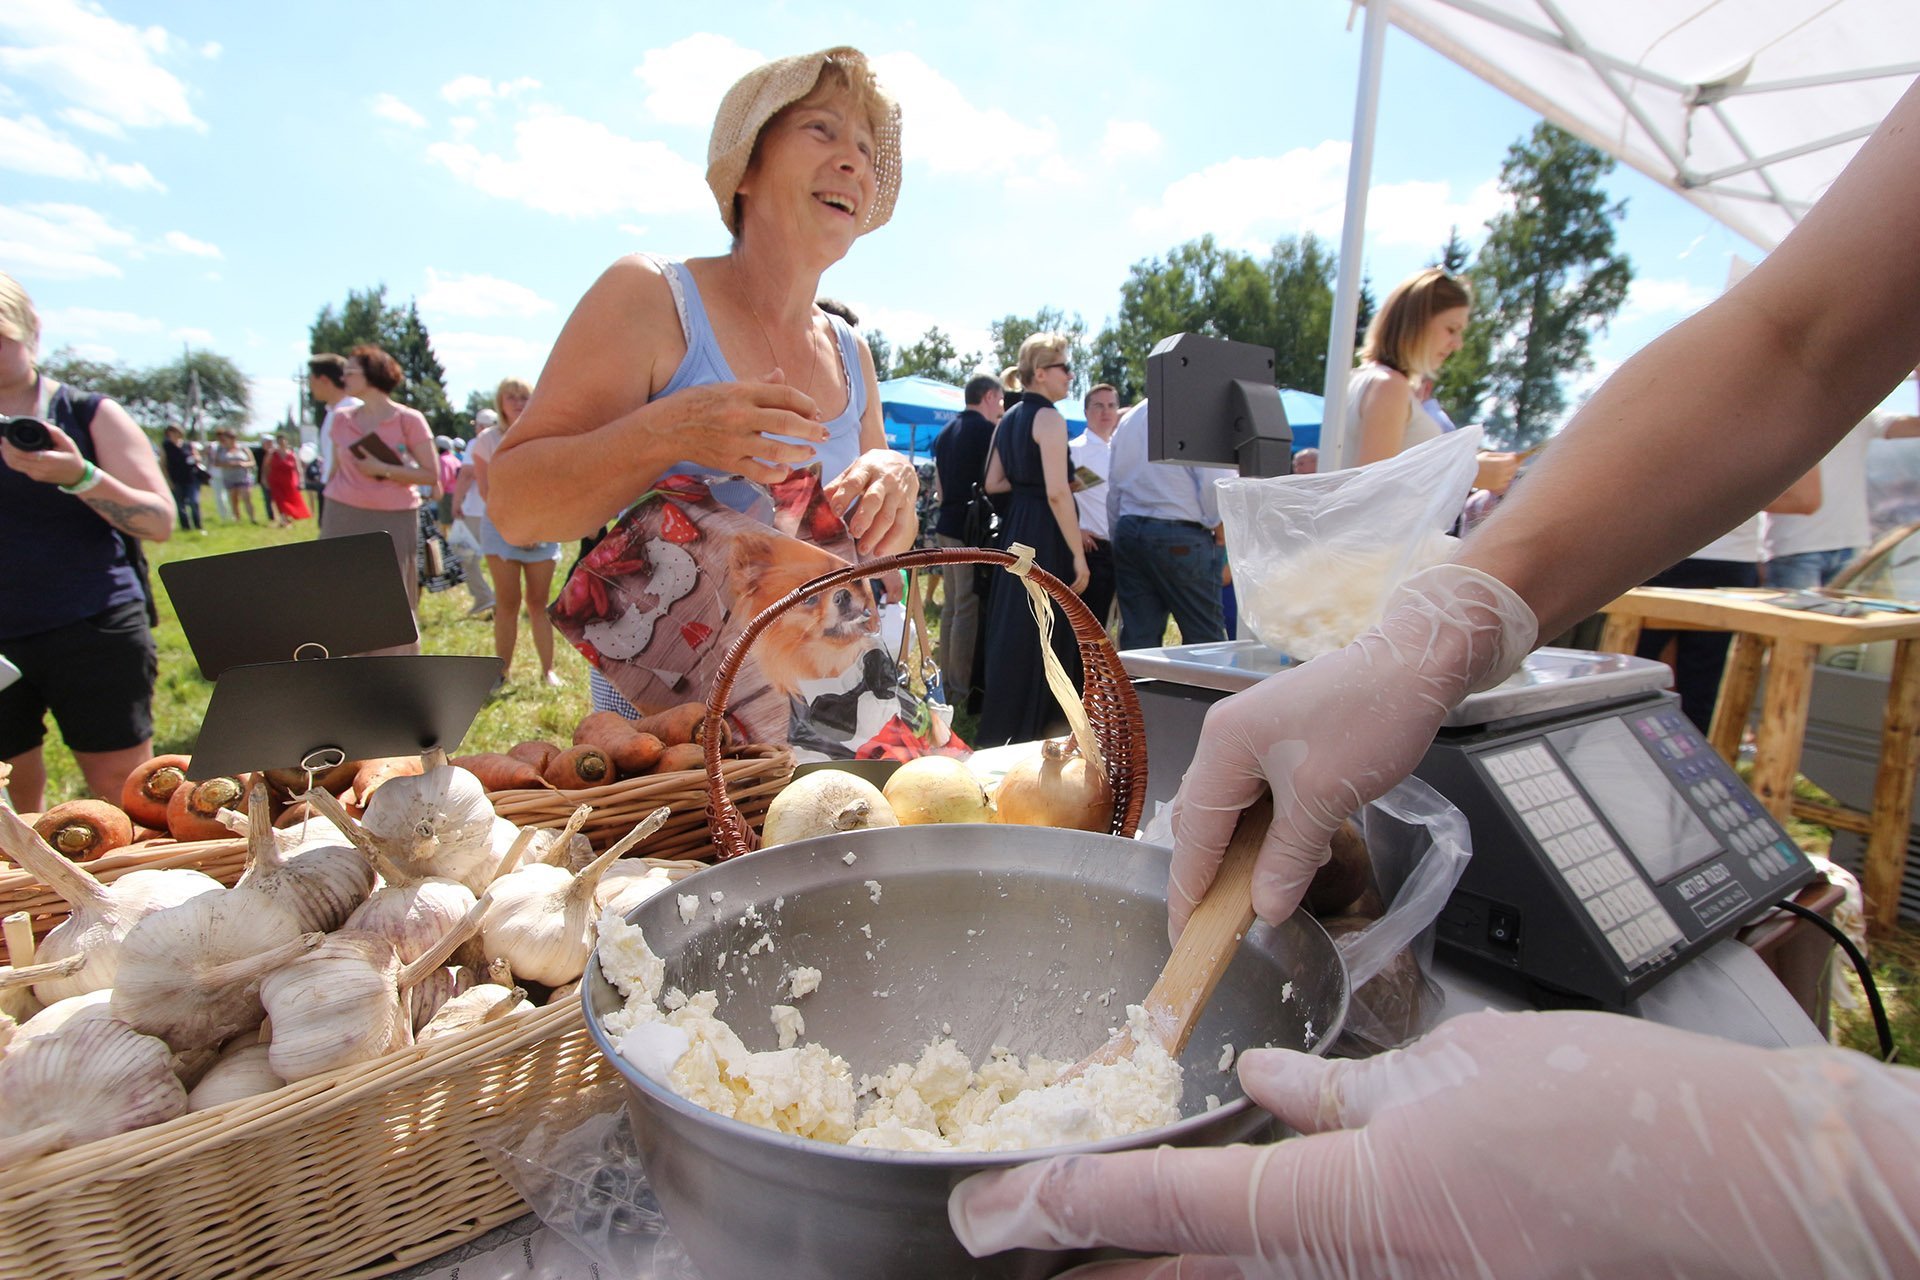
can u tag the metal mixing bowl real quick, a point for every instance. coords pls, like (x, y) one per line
(1027, 937)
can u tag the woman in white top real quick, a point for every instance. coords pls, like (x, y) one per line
(1411, 336)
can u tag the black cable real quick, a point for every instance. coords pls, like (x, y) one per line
(1880, 1024)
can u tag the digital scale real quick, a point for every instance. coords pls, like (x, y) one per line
(1611, 845)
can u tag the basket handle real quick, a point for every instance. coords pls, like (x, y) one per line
(1109, 698)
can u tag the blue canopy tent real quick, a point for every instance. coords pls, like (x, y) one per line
(1303, 417)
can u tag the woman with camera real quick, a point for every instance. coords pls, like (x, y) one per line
(79, 489)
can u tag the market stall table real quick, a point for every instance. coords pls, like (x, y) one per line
(1785, 643)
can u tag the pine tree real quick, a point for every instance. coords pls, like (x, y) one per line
(1548, 278)
(402, 334)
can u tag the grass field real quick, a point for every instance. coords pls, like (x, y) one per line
(527, 708)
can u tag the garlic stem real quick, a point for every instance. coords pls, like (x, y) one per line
(434, 758)
(22, 844)
(20, 975)
(241, 824)
(34, 1142)
(247, 968)
(449, 942)
(515, 851)
(329, 807)
(263, 846)
(582, 885)
(16, 929)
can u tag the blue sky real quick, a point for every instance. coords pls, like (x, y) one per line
(215, 173)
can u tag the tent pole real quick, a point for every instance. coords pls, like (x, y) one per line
(1353, 232)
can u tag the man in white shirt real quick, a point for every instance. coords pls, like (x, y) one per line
(1808, 551)
(327, 383)
(1166, 556)
(1089, 453)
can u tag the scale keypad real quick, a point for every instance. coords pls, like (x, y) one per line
(1744, 828)
(1609, 887)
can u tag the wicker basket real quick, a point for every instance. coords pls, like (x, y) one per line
(755, 773)
(1111, 706)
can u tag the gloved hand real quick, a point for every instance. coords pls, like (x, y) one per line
(1510, 1144)
(1333, 733)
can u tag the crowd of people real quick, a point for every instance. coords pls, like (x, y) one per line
(645, 382)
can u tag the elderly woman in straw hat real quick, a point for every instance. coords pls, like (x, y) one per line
(724, 365)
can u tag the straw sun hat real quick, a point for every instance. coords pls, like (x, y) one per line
(760, 95)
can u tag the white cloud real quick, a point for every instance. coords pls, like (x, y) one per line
(479, 296)
(211, 50)
(633, 229)
(1649, 299)
(96, 351)
(29, 146)
(196, 337)
(462, 127)
(952, 135)
(580, 168)
(1129, 139)
(92, 121)
(181, 242)
(391, 109)
(479, 89)
(58, 241)
(686, 80)
(905, 326)
(108, 68)
(62, 323)
(482, 359)
(1247, 201)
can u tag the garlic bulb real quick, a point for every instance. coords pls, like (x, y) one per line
(484, 1003)
(101, 914)
(321, 884)
(87, 1081)
(432, 992)
(560, 995)
(242, 1072)
(626, 885)
(345, 1002)
(437, 824)
(80, 1008)
(191, 974)
(541, 921)
(539, 844)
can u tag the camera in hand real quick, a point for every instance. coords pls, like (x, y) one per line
(29, 435)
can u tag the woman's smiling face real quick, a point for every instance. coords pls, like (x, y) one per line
(812, 171)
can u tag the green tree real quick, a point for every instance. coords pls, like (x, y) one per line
(1454, 254)
(1302, 273)
(1008, 332)
(200, 392)
(933, 355)
(402, 334)
(882, 353)
(1363, 309)
(477, 399)
(1548, 278)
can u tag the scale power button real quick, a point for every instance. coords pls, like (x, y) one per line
(1503, 927)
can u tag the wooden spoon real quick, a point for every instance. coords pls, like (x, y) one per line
(1205, 949)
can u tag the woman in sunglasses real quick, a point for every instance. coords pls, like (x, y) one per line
(1029, 463)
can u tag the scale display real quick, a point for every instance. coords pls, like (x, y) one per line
(1607, 848)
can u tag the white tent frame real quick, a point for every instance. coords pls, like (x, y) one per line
(1748, 182)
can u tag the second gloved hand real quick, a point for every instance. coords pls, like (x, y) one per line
(1336, 732)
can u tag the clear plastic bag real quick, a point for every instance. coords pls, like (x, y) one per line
(576, 1164)
(1314, 557)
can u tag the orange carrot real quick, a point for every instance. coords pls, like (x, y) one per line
(293, 815)
(192, 807)
(682, 756)
(150, 786)
(85, 828)
(499, 772)
(678, 725)
(369, 774)
(631, 751)
(536, 752)
(581, 766)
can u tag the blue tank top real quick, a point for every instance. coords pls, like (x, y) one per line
(704, 364)
(59, 561)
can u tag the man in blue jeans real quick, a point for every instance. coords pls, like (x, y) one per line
(1806, 551)
(1166, 553)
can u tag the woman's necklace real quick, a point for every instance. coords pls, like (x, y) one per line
(813, 358)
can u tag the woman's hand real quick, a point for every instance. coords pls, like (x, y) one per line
(1509, 1144)
(1331, 734)
(61, 464)
(729, 426)
(1081, 574)
(884, 486)
(1496, 471)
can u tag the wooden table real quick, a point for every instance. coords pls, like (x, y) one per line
(1785, 641)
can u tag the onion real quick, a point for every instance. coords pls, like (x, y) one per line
(936, 789)
(1055, 787)
(825, 802)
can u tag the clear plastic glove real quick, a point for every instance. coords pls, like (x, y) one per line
(1510, 1144)
(1331, 734)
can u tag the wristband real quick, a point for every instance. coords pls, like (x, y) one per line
(88, 478)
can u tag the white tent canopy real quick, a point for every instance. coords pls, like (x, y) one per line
(1747, 108)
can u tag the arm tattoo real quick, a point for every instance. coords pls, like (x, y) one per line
(136, 518)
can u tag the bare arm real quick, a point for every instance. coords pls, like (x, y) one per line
(1050, 433)
(1384, 407)
(1795, 355)
(426, 466)
(1802, 497)
(996, 480)
(593, 439)
(131, 494)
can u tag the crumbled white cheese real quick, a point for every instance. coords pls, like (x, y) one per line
(716, 896)
(763, 943)
(873, 891)
(867, 929)
(803, 981)
(1226, 1058)
(1213, 1102)
(689, 906)
(849, 859)
(788, 1023)
(1286, 991)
